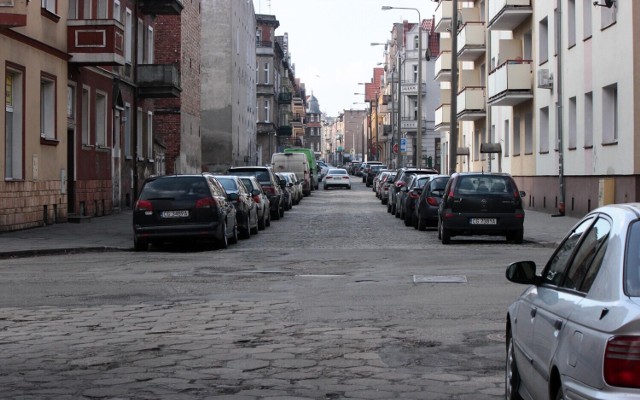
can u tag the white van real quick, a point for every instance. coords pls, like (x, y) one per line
(293, 162)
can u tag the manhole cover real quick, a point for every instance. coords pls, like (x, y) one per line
(439, 279)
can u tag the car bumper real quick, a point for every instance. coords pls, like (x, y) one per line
(187, 231)
(577, 390)
(462, 224)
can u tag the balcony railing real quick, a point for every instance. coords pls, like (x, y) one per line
(444, 14)
(158, 80)
(95, 42)
(443, 117)
(471, 43)
(411, 88)
(411, 124)
(471, 103)
(506, 15)
(443, 67)
(511, 83)
(284, 98)
(161, 7)
(13, 14)
(284, 130)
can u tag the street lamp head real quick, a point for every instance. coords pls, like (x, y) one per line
(385, 8)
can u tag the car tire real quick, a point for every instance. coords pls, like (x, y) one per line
(559, 394)
(516, 237)
(268, 220)
(349, 187)
(223, 242)
(407, 219)
(438, 229)
(256, 228)
(140, 244)
(326, 187)
(444, 234)
(281, 212)
(512, 376)
(262, 222)
(422, 224)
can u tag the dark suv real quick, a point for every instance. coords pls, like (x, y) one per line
(270, 184)
(477, 203)
(402, 179)
(183, 207)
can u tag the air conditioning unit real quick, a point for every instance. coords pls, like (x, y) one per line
(545, 79)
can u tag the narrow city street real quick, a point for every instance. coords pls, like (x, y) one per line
(337, 300)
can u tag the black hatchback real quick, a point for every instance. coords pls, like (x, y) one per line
(477, 203)
(183, 207)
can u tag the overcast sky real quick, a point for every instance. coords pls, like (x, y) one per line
(330, 42)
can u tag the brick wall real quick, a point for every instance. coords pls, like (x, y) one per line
(23, 204)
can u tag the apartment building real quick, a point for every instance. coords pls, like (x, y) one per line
(313, 124)
(545, 92)
(355, 127)
(228, 85)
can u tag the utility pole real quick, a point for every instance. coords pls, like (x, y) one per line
(453, 131)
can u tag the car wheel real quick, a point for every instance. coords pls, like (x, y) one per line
(445, 235)
(407, 219)
(559, 394)
(326, 187)
(349, 187)
(281, 211)
(140, 244)
(262, 222)
(223, 242)
(256, 227)
(518, 236)
(512, 377)
(246, 230)
(422, 224)
(388, 206)
(439, 229)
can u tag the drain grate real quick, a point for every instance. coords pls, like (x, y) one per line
(439, 279)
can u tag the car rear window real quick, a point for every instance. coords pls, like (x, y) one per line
(175, 188)
(337, 172)
(247, 182)
(262, 175)
(228, 184)
(632, 262)
(484, 184)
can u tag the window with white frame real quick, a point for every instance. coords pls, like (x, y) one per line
(415, 73)
(86, 9)
(73, 9)
(516, 136)
(101, 119)
(102, 9)
(267, 111)
(139, 134)
(149, 135)
(528, 133)
(85, 117)
(127, 131)
(573, 122)
(117, 11)
(586, 21)
(588, 119)
(140, 44)
(47, 107)
(543, 41)
(150, 46)
(544, 130)
(266, 73)
(128, 33)
(50, 5)
(13, 127)
(610, 114)
(571, 22)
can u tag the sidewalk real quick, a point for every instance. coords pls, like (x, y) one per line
(114, 232)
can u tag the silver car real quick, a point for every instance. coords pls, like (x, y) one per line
(575, 332)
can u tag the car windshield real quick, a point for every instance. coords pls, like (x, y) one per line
(175, 188)
(483, 184)
(632, 262)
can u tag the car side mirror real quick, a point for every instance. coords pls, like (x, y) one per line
(522, 272)
(255, 192)
(233, 196)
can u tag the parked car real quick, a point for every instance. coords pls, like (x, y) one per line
(298, 193)
(261, 199)
(353, 168)
(402, 179)
(477, 203)
(270, 184)
(386, 185)
(575, 332)
(183, 207)
(377, 181)
(294, 162)
(372, 171)
(426, 211)
(287, 189)
(313, 165)
(337, 177)
(241, 198)
(364, 168)
(410, 195)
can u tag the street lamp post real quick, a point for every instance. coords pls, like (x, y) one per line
(419, 133)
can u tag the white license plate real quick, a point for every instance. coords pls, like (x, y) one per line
(175, 214)
(483, 221)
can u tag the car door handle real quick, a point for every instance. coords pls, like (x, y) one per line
(557, 324)
(533, 312)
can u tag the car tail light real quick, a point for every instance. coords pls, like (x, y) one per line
(413, 195)
(257, 199)
(269, 190)
(432, 201)
(622, 361)
(144, 205)
(206, 202)
(345, 177)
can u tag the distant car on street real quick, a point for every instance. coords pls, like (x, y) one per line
(337, 177)
(241, 198)
(261, 199)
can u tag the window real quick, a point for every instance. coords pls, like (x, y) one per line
(47, 107)
(13, 128)
(415, 73)
(516, 136)
(507, 135)
(140, 44)
(556, 268)
(571, 21)
(85, 117)
(266, 73)
(544, 130)
(258, 36)
(50, 5)
(149, 135)
(267, 111)
(416, 44)
(117, 10)
(127, 131)
(86, 9)
(102, 9)
(476, 145)
(73, 9)
(150, 46)
(101, 119)
(586, 20)
(573, 121)
(128, 35)
(139, 134)
(543, 40)
(71, 102)
(588, 119)
(610, 114)
(584, 263)
(607, 16)
(528, 133)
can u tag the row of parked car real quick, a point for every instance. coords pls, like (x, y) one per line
(461, 204)
(219, 209)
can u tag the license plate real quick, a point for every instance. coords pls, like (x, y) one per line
(175, 214)
(483, 221)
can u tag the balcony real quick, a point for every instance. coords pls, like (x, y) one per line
(471, 103)
(265, 89)
(411, 88)
(511, 83)
(411, 124)
(161, 7)
(506, 15)
(443, 67)
(471, 43)
(443, 117)
(264, 48)
(158, 80)
(284, 130)
(444, 14)
(95, 42)
(13, 14)
(284, 98)
(297, 120)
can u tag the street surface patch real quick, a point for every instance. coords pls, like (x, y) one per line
(439, 279)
